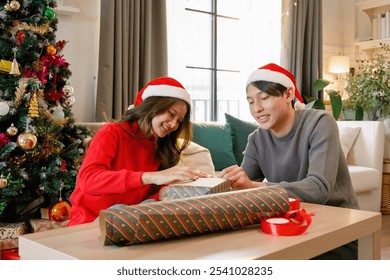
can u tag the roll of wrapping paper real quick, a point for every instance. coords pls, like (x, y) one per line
(183, 217)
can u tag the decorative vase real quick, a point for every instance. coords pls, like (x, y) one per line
(373, 116)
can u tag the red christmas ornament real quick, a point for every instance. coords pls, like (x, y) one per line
(53, 95)
(61, 44)
(60, 211)
(20, 36)
(63, 166)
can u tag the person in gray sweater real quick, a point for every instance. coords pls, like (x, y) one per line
(296, 148)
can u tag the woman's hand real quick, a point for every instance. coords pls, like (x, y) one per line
(172, 175)
(238, 178)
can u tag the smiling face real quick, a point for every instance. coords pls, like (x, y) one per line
(169, 120)
(271, 112)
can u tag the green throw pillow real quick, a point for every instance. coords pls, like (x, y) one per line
(218, 139)
(240, 132)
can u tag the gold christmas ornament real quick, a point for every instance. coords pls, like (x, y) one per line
(37, 66)
(3, 182)
(33, 110)
(12, 130)
(51, 49)
(27, 141)
(60, 211)
(15, 5)
(7, 7)
(15, 67)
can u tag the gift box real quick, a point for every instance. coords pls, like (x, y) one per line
(38, 225)
(141, 223)
(5, 66)
(11, 254)
(202, 186)
(10, 243)
(11, 230)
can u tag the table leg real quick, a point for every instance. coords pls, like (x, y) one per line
(370, 246)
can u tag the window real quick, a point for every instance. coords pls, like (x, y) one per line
(214, 45)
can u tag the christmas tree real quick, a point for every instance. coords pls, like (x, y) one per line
(40, 144)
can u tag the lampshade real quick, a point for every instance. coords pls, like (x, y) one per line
(339, 64)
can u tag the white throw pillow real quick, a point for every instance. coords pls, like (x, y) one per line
(348, 136)
(197, 157)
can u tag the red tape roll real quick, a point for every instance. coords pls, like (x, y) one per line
(294, 222)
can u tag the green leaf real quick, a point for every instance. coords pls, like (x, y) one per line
(335, 103)
(320, 84)
(316, 104)
(359, 113)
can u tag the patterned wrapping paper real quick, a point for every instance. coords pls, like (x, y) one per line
(38, 225)
(183, 217)
(200, 187)
(11, 230)
(10, 243)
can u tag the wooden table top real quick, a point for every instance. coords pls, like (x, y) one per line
(331, 227)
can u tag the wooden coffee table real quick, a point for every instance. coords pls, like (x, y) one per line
(331, 227)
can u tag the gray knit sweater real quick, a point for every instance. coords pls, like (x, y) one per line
(308, 161)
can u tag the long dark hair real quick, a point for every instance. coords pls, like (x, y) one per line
(168, 151)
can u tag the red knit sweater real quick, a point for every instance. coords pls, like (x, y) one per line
(111, 172)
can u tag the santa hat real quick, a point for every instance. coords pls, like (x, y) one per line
(165, 87)
(277, 74)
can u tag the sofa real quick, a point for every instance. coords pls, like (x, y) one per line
(365, 161)
(219, 145)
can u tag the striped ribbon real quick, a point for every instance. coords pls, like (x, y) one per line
(167, 219)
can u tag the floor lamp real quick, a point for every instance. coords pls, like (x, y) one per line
(339, 65)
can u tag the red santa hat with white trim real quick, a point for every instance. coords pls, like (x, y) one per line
(277, 74)
(165, 87)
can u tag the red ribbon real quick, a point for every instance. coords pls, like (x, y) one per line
(294, 222)
(295, 203)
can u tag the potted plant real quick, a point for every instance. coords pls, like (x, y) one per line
(334, 97)
(369, 86)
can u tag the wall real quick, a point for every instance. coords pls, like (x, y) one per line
(338, 34)
(81, 30)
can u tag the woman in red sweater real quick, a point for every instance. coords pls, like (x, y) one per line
(128, 160)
